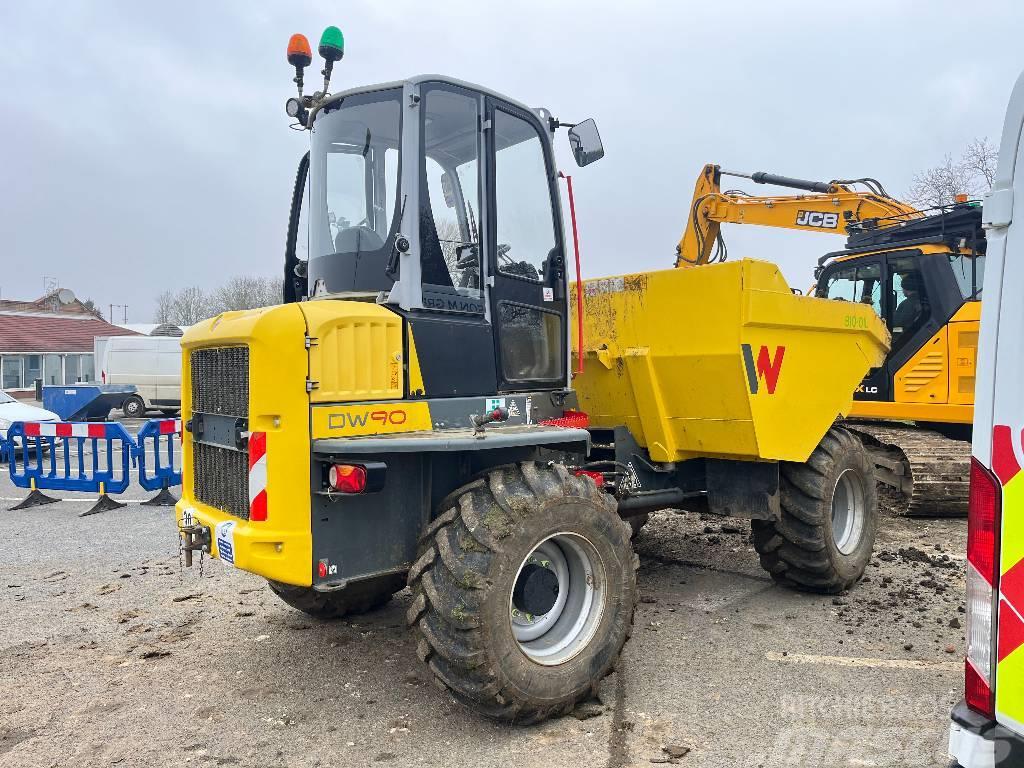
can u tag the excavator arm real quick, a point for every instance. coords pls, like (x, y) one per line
(829, 207)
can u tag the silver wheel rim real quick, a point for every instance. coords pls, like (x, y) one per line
(847, 512)
(565, 629)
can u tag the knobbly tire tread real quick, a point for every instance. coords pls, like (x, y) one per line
(357, 597)
(798, 550)
(451, 585)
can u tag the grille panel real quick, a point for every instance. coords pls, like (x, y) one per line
(220, 381)
(220, 385)
(220, 478)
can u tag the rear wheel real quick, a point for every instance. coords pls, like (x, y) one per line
(133, 407)
(357, 597)
(823, 541)
(524, 592)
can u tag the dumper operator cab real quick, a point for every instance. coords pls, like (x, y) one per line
(408, 416)
(439, 200)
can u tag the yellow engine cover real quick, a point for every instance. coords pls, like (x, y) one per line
(721, 361)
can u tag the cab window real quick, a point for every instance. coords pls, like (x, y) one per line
(861, 284)
(450, 201)
(908, 300)
(968, 271)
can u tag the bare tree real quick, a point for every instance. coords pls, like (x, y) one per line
(972, 174)
(982, 157)
(190, 306)
(246, 292)
(164, 307)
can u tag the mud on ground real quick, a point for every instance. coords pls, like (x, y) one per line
(111, 654)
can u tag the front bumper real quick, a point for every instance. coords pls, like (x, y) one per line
(977, 742)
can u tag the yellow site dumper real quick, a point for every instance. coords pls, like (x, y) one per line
(408, 415)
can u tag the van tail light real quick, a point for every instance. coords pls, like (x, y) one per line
(982, 589)
(347, 478)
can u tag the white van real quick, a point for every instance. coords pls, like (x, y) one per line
(151, 363)
(987, 728)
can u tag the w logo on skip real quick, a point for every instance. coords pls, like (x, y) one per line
(767, 368)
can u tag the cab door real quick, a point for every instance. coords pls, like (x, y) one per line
(526, 253)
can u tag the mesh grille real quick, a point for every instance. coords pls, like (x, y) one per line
(220, 381)
(220, 478)
(220, 384)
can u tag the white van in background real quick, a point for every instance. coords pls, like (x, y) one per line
(151, 363)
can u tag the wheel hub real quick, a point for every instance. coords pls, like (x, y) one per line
(848, 513)
(536, 590)
(558, 599)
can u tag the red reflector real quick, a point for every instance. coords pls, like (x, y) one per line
(597, 477)
(977, 693)
(321, 569)
(983, 522)
(571, 419)
(347, 478)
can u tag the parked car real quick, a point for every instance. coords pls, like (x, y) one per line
(151, 363)
(12, 410)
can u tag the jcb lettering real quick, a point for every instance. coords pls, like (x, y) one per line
(817, 219)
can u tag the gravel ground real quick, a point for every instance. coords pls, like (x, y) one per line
(112, 654)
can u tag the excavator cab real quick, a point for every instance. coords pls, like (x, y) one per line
(923, 278)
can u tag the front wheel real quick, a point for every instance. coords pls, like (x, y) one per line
(824, 539)
(524, 592)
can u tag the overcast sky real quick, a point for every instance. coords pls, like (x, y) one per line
(145, 145)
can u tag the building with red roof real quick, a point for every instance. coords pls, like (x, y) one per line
(51, 339)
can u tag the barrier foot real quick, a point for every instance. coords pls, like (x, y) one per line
(35, 498)
(163, 499)
(103, 504)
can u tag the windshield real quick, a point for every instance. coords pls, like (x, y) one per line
(5, 398)
(353, 191)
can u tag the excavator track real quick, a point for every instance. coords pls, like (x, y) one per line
(931, 472)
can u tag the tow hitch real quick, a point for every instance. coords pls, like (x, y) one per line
(194, 538)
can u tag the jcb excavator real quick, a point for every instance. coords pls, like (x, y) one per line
(921, 272)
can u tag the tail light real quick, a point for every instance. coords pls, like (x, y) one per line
(982, 588)
(347, 478)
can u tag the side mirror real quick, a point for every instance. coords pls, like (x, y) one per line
(586, 143)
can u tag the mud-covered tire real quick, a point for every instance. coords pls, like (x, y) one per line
(813, 548)
(357, 597)
(471, 556)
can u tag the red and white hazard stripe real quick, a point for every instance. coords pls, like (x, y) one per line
(64, 429)
(170, 426)
(257, 476)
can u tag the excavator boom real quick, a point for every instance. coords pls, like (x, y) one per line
(829, 207)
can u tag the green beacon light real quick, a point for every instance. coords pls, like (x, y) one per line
(331, 49)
